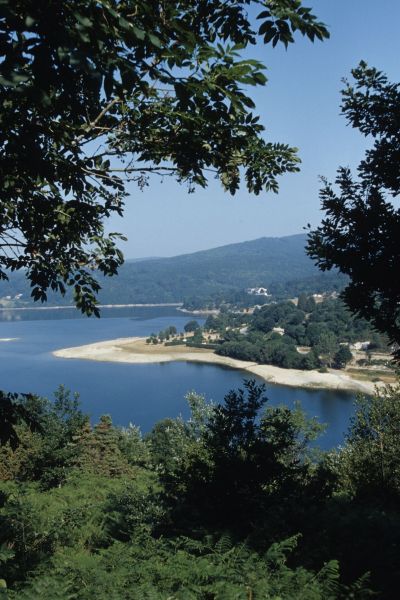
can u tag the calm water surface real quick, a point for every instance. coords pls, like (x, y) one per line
(141, 394)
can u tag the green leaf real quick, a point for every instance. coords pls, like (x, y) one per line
(82, 19)
(155, 40)
(29, 21)
(139, 33)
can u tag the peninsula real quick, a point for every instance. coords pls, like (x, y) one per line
(137, 351)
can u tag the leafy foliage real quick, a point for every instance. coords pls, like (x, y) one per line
(47, 451)
(342, 357)
(94, 93)
(371, 459)
(229, 504)
(13, 412)
(325, 331)
(360, 232)
(239, 462)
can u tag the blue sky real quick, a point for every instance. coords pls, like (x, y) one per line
(299, 106)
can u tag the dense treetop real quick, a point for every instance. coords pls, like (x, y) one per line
(275, 333)
(361, 230)
(233, 503)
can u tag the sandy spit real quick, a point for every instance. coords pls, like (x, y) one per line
(134, 350)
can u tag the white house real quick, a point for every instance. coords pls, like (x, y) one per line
(258, 291)
(279, 330)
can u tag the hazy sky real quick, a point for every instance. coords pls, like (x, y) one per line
(299, 106)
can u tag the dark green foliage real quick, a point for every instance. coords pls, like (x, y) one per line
(371, 461)
(360, 232)
(278, 351)
(47, 452)
(185, 569)
(205, 506)
(13, 412)
(51, 586)
(334, 317)
(98, 451)
(191, 326)
(62, 419)
(131, 512)
(223, 320)
(276, 314)
(322, 330)
(241, 462)
(342, 357)
(86, 85)
(306, 303)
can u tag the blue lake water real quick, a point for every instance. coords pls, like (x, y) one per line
(141, 394)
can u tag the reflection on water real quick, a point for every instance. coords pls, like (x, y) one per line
(56, 314)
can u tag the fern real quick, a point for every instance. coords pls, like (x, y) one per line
(224, 544)
(360, 589)
(46, 588)
(276, 555)
(6, 553)
(328, 577)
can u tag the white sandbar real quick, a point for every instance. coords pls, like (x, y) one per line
(136, 351)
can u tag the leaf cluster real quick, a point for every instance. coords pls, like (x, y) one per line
(216, 511)
(95, 93)
(362, 224)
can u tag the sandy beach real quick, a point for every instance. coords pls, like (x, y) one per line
(136, 351)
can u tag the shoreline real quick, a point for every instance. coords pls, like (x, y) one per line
(69, 306)
(198, 312)
(134, 350)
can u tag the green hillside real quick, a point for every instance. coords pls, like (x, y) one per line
(220, 273)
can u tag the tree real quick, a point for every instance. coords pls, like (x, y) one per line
(13, 411)
(327, 346)
(132, 445)
(44, 449)
(310, 360)
(240, 460)
(197, 337)
(371, 460)
(342, 357)
(360, 232)
(98, 449)
(95, 92)
(191, 326)
(306, 303)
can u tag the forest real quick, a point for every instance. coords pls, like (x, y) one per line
(235, 503)
(206, 278)
(274, 332)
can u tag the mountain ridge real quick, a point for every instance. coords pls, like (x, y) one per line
(206, 276)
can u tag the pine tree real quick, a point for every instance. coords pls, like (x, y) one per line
(98, 450)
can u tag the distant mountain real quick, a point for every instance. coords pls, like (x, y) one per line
(209, 275)
(132, 260)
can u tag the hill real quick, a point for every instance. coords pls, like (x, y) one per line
(280, 264)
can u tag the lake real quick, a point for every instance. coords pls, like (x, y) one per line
(140, 394)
